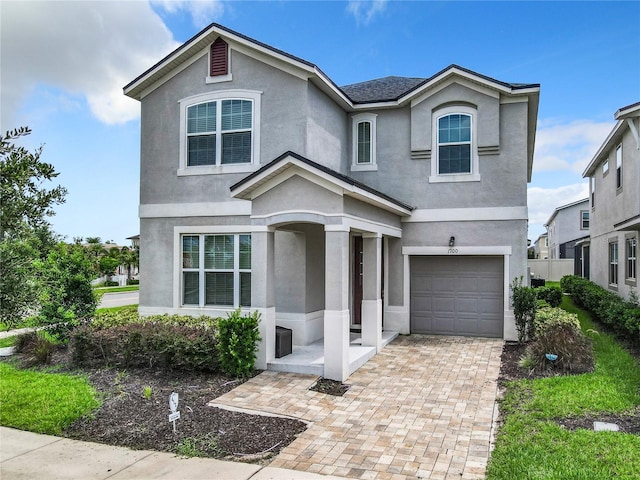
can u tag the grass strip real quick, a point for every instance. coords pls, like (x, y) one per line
(129, 288)
(7, 341)
(530, 445)
(43, 402)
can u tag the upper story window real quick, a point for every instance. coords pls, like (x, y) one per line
(219, 65)
(584, 220)
(619, 166)
(592, 181)
(455, 156)
(219, 132)
(364, 142)
(605, 167)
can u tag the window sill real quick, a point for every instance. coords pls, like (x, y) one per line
(220, 79)
(632, 282)
(217, 169)
(613, 287)
(473, 177)
(366, 167)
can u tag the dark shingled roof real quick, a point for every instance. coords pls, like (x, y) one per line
(381, 89)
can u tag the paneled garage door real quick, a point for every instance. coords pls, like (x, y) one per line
(457, 295)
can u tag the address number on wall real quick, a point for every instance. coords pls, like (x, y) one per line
(452, 251)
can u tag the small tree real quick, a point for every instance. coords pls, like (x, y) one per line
(523, 299)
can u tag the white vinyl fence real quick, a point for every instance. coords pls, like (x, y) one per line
(552, 270)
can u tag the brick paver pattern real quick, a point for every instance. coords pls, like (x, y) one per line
(421, 408)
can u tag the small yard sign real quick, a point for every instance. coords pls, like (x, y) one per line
(173, 405)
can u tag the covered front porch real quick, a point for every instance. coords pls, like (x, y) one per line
(306, 274)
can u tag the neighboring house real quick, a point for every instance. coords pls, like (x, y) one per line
(396, 205)
(614, 179)
(135, 241)
(568, 225)
(541, 247)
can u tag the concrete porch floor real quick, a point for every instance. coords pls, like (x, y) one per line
(309, 359)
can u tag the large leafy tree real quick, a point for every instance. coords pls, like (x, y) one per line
(25, 200)
(39, 276)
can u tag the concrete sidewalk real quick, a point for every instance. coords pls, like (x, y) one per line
(26, 455)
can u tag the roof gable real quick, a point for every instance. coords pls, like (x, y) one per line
(280, 169)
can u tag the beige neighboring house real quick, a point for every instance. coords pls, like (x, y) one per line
(541, 247)
(614, 180)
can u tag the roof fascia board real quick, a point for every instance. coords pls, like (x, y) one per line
(172, 73)
(631, 110)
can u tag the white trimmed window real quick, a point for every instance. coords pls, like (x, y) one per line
(613, 263)
(216, 270)
(632, 259)
(605, 167)
(593, 191)
(219, 132)
(454, 157)
(584, 220)
(364, 142)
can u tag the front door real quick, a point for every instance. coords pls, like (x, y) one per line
(356, 295)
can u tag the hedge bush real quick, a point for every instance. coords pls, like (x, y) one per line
(551, 295)
(238, 339)
(620, 314)
(147, 344)
(547, 317)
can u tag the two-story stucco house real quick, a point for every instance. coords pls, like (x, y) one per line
(541, 247)
(614, 179)
(567, 225)
(346, 214)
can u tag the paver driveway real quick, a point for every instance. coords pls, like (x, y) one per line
(422, 408)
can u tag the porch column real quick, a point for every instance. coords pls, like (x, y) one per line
(336, 303)
(371, 295)
(262, 293)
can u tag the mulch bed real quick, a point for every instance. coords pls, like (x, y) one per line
(330, 387)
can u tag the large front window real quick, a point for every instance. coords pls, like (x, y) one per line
(219, 132)
(454, 144)
(216, 270)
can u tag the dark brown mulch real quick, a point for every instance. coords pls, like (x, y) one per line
(129, 418)
(330, 387)
(626, 423)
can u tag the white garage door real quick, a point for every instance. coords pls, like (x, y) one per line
(457, 295)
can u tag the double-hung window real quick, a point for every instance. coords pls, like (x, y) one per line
(364, 142)
(631, 246)
(454, 144)
(454, 156)
(219, 132)
(613, 263)
(216, 270)
(584, 220)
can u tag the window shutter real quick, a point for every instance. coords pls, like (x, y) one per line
(219, 56)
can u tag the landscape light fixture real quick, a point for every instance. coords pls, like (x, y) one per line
(452, 241)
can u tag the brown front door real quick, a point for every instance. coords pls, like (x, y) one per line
(356, 256)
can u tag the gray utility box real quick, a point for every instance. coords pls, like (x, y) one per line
(283, 341)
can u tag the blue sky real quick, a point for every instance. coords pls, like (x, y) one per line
(63, 66)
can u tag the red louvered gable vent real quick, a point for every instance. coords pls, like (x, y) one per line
(219, 56)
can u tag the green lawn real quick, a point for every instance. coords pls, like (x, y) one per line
(530, 445)
(128, 288)
(43, 402)
(7, 341)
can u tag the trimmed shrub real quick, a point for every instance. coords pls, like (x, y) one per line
(621, 315)
(551, 295)
(126, 316)
(147, 344)
(546, 317)
(523, 299)
(238, 340)
(132, 281)
(573, 350)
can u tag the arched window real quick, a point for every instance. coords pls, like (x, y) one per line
(454, 144)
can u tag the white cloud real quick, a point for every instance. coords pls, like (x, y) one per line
(365, 10)
(568, 147)
(203, 12)
(83, 49)
(543, 201)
